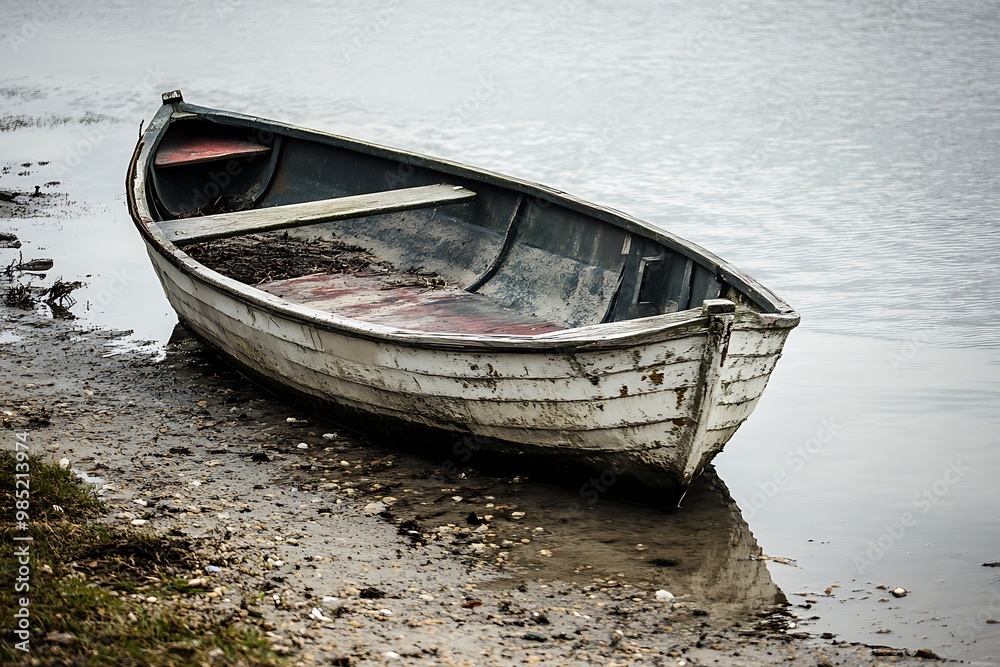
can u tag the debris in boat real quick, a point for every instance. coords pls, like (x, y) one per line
(263, 258)
(35, 265)
(8, 240)
(428, 283)
(899, 592)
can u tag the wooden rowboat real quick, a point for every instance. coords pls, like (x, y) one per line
(500, 315)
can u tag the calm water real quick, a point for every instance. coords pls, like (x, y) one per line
(844, 153)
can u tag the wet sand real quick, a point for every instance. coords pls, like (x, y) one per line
(340, 548)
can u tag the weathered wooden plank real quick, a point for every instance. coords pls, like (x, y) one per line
(205, 149)
(756, 343)
(671, 384)
(223, 225)
(537, 410)
(724, 416)
(742, 391)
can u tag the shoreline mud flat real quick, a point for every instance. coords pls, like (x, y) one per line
(342, 550)
(349, 550)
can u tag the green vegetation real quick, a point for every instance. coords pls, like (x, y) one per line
(89, 585)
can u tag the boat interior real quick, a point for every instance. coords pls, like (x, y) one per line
(508, 260)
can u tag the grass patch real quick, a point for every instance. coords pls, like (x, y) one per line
(89, 582)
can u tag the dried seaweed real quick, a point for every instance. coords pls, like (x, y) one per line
(263, 258)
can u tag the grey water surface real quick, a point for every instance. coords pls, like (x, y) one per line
(846, 154)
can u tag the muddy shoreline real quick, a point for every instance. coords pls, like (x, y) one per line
(352, 551)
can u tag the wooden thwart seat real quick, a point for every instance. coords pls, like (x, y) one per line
(224, 225)
(205, 149)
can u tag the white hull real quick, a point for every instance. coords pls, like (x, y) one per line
(655, 411)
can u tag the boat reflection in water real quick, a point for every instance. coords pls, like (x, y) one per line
(703, 553)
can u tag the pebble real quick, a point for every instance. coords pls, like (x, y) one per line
(303, 445)
(391, 655)
(664, 595)
(372, 509)
(139, 522)
(318, 615)
(899, 592)
(213, 568)
(63, 463)
(329, 436)
(517, 515)
(385, 612)
(545, 552)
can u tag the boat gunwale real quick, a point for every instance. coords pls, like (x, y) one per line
(610, 335)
